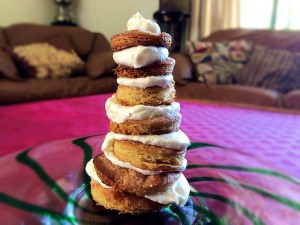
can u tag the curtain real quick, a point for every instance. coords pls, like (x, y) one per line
(213, 15)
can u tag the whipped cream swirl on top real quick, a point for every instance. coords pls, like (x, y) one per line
(138, 22)
(140, 56)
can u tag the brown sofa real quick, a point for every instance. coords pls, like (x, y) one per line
(282, 40)
(92, 48)
(95, 51)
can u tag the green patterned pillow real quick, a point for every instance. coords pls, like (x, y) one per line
(219, 63)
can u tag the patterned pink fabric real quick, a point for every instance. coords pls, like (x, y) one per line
(274, 137)
(39, 122)
(253, 131)
(253, 178)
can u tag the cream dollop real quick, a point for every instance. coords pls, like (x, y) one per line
(177, 194)
(91, 171)
(138, 22)
(119, 113)
(174, 140)
(140, 56)
(144, 82)
(114, 160)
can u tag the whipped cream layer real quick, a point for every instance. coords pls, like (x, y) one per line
(144, 82)
(114, 160)
(120, 113)
(91, 171)
(140, 56)
(174, 140)
(177, 194)
(138, 22)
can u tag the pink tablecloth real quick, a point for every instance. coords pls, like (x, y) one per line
(253, 180)
(29, 124)
(24, 125)
(270, 135)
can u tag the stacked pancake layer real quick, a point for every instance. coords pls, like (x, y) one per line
(144, 152)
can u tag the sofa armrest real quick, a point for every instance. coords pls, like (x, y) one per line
(230, 93)
(100, 44)
(285, 40)
(183, 68)
(291, 100)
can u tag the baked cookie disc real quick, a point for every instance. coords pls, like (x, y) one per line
(158, 68)
(149, 157)
(131, 96)
(156, 125)
(134, 38)
(124, 202)
(123, 179)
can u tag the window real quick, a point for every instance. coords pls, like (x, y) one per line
(273, 14)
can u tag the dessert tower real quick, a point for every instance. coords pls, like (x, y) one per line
(140, 168)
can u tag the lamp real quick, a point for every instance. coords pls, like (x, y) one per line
(64, 15)
(175, 23)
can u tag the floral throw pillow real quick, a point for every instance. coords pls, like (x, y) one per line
(219, 63)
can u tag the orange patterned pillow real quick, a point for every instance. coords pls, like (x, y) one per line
(42, 60)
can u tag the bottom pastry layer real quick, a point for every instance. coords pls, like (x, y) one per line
(124, 202)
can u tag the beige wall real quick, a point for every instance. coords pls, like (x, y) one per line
(29, 11)
(110, 16)
(106, 16)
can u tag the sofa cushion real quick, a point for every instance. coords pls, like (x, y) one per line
(22, 34)
(100, 60)
(2, 38)
(183, 69)
(8, 68)
(218, 63)
(99, 63)
(100, 43)
(272, 69)
(60, 41)
(42, 89)
(229, 94)
(291, 100)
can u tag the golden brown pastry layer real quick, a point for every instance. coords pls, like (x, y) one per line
(153, 96)
(159, 68)
(157, 125)
(133, 38)
(123, 179)
(122, 201)
(149, 157)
